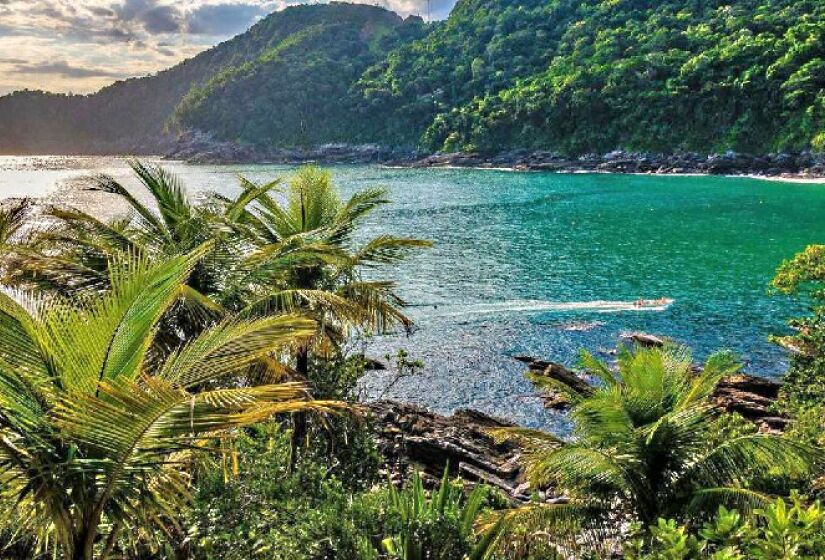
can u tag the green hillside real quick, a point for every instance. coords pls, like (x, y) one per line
(296, 91)
(650, 75)
(572, 76)
(133, 115)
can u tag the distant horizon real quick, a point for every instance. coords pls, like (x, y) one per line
(46, 45)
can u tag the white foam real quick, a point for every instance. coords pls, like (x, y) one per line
(541, 306)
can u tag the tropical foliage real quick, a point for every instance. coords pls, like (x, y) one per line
(316, 511)
(640, 449)
(439, 526)
(273, 248)
(803, 392)
(97, 428)
(782, 530)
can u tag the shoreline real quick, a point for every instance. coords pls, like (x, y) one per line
(788, 168)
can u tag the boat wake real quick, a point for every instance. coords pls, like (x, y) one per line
(541, 306)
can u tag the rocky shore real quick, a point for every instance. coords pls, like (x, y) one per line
(413, 438)
(801, 165)
(201, 148)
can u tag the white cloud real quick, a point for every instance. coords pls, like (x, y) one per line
(80, 45)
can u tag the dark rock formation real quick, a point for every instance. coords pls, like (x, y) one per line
(553, 399)
(411, 437)
(750, 396)
(200, 147)
(804, 164)
(753, 398)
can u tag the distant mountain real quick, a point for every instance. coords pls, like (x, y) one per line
(297, 89)
(572, 76)
(299, 54)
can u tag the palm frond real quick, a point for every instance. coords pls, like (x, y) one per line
(233, 346)
(385, 250)
(13, 216)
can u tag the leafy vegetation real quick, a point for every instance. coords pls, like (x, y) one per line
(641, 449)
(803, 393)
(315, 511)
(95, 428)
(148, 365)
(779, 531)
(660, 76)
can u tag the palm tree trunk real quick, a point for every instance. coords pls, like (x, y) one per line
(84, 545)
(299, 419)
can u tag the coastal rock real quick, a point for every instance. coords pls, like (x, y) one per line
(753, 398)
(750, 396)
(644, 339)
(803, 164)
(553, 399)
(199, 147)
(411, 437)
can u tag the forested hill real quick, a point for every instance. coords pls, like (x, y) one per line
(657, 75)
(572, 76)
(134, 115)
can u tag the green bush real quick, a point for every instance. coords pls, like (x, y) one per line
(782, 530)
(265, 511)
(436, 527)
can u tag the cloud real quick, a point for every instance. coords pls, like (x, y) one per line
(162, 19)
(87, 40)
(151, 16)
(62, 68)
(223, 19)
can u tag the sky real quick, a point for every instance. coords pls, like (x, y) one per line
(79, 46)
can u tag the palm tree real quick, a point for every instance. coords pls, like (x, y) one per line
(639, 449)
(72, 253)
(266, 255)
(96, 429)
(307, 260)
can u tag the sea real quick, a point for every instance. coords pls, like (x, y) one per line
(536, 264)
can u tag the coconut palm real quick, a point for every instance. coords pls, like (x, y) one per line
(12, 219)
(96, 429)
(639, 449)
(73, 251)
(307, 260)
(267, 254)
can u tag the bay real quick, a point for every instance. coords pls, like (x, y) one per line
(541, 264)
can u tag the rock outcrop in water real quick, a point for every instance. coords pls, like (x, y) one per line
(750, 396)
(413, 438)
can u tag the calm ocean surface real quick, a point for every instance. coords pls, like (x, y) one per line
(544, 264)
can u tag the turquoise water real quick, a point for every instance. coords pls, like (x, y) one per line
(518, 257)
